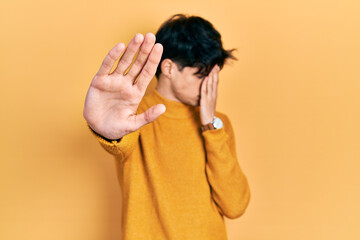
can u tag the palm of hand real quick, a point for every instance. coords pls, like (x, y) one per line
(113, 98)
(208, 99)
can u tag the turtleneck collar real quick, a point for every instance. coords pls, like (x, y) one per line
(174, 109)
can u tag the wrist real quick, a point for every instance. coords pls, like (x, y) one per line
(216, 123)
(107, 139)
(207, 121)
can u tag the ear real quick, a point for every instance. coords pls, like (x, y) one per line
(167, 67)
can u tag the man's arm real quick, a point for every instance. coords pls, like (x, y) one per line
(229, 185)
(113, 98)
(230, 188)
(120, 148)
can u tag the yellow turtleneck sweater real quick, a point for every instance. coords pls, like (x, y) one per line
(177, 182)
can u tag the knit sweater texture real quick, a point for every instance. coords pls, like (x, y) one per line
(178, 183)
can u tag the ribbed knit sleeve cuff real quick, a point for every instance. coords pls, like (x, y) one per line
(214, 134)
(123, 147)
(215, 140)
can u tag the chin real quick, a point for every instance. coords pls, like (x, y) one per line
(193, 104)
(196, 103)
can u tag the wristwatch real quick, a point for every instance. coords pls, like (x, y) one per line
(215, 124)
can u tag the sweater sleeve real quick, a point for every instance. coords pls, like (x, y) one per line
(120, 149)
(229, 186)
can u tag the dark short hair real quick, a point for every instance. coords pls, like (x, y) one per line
(191, 41)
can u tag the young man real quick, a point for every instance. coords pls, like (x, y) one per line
(175, 154)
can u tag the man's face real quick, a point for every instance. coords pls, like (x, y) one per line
(186, 86)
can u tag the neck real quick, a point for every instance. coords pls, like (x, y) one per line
(164, 88)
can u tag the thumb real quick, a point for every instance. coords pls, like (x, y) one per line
(149, 115)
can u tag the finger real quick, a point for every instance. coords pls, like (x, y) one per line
(203, 87)
(144, 52)
(209, 84)
(216, 82)
(210, 81)
(212, 70)
(149, 115)
(110, 59)
(127, 58)
(149, 69)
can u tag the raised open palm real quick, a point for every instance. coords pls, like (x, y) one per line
(113, 98)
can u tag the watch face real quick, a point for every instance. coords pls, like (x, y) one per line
(217, 123)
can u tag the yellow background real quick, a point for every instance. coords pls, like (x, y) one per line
(293, 98)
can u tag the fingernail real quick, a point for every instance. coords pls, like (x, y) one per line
(139, 37)
(162, 108)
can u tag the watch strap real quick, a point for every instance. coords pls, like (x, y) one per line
(208, 126)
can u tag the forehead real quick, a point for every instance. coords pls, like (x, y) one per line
(190, 70)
